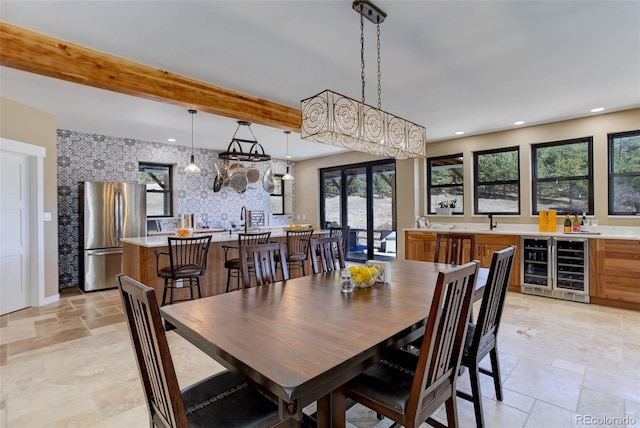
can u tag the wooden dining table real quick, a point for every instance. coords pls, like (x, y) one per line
(301, 340)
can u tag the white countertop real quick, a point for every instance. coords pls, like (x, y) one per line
(161, 241)
(608, 232)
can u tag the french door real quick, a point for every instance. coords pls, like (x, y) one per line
(362, 196)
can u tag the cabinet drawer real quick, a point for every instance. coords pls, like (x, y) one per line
(620, 264)
(620, 288)
(619, 245)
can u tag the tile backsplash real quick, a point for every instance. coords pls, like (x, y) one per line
(93, 157)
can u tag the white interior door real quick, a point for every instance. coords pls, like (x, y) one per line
(14, 231)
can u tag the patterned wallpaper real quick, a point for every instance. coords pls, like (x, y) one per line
(92, 157)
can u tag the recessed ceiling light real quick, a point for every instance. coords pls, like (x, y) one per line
(597, 109)
(520, 122)
(288, 156)
(459, 132)
(171, 140)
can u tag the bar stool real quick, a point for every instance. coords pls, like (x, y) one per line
(187, 260)
(233, 265)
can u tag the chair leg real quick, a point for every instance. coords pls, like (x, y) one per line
(452, 412)
(199, 290)
(173, 285)
(191, 287)
(303, 272)
(476, 393)
(164, 293)
(495, 368)
(228, 279)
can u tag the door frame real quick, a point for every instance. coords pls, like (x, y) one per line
(36, 155)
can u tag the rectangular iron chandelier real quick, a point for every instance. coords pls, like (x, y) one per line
(332, 118)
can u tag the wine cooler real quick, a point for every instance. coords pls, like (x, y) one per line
(555, 267)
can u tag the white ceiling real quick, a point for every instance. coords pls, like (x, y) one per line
(472, 66)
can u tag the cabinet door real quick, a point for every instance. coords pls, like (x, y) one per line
(486, 245)
(419, 246)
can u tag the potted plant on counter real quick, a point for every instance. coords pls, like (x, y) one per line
(446, 207)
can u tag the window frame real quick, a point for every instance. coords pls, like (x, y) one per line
(612, 175)
(588, 177)
(477, 183)
(444, 186)
(169, 191)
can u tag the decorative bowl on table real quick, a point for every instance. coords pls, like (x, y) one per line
(364, 276)
(184, 232)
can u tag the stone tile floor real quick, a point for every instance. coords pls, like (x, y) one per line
(564, 364)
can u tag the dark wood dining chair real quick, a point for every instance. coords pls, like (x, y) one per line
(409, 388)
(187, 261)
(327, 254)
(450, 248)
(342, 232)
(482, 337)
(232, 264)
(262, 258)
(297, 252)
(220, 400)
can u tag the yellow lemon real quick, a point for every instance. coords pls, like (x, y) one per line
(373, 270)
(353, 270)
(358, 279)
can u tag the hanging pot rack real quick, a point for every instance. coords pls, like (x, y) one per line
(236, 153)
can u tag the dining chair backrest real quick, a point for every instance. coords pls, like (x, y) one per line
(188, 256)
(450, 248)
(298, 242)
(253, 238)
(262, 258)
(155, 366)
(441, 351)
(327, 254)
(342, 232)
(494, 295)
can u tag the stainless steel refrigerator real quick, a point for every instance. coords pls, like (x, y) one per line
(109, 211)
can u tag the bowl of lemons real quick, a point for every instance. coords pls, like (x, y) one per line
(363, 276)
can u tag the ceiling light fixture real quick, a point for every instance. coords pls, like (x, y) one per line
(460, 133)
(171, 140)
(287, 176)
(597, 109)
(236, 153)
(520, 122)
(332, 118)
(192, 167)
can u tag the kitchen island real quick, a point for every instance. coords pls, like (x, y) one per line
(139, 261)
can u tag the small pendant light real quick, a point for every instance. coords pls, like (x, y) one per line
(287, 176)
(192, 167)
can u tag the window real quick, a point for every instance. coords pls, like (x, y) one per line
(445, 178)
(624, 173)
(157, 178)
(562, 176)
(496, 175)
(277, 196)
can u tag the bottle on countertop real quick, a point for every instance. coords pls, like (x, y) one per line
(576, 223)
(584, 225)
(567, 224)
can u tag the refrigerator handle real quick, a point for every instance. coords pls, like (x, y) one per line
(118, 215)
(552, 263)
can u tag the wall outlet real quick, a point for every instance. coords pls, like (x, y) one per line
(46, 216)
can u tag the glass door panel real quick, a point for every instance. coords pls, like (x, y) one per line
(357, 213)
(384, 211)
(332, 186)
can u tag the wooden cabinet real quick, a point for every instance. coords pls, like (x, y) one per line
(616, 280)
(419, 245)
(487, 244)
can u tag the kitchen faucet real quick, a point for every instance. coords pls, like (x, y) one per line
(243, 216)
(492, 225)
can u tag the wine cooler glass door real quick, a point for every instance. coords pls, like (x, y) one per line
(536, 263)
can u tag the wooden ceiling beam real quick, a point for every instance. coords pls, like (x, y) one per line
(36, 53)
